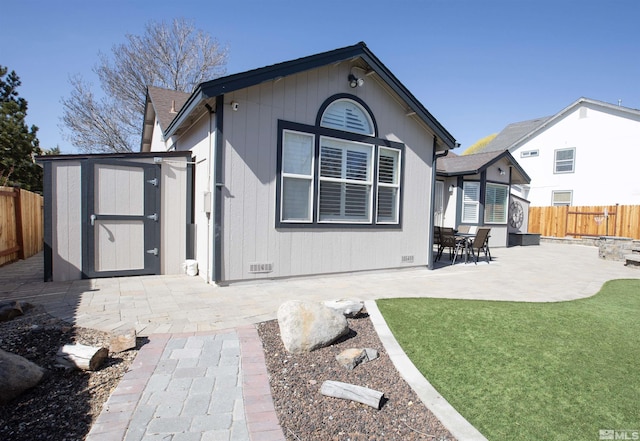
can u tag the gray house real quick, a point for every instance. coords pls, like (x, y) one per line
(318, 165)
(477, 191)
(323, 164)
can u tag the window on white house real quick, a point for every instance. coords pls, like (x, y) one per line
(345, 181)
(495, 203)
(297, 176)
(470, 202)
(565, 160)
(561, 197)
(388, 185)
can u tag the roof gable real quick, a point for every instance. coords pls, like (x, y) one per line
(161, 104)
(512, 136)
(166, 104)
(477, 163)
(211, 89)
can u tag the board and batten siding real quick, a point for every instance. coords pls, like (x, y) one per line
(173, 214)
(250, 158)
(66, 221)
(198, 142)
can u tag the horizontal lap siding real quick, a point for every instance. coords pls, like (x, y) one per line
(249, 207)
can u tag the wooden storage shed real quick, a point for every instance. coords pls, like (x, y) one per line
(111, 215)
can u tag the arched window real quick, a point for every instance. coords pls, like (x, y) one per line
(338, 171)
(345, 114)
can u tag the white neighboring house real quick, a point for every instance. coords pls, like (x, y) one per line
(586, 154)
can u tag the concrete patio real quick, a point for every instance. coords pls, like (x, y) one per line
(176, 304)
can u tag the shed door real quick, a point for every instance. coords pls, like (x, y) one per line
(122, 223)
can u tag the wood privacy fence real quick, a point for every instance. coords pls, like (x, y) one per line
(21, 224)
(588, 221)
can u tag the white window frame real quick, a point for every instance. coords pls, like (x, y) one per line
(473, 203)
(336, 120)
(310, 177)
(394, 185)
(488, 212)
(556, 203)
(345, 145)
(557, 162)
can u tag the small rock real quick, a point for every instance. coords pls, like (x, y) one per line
(350, 358)
(9, 310)
(348, 308)
(372, 354)
(123, 340)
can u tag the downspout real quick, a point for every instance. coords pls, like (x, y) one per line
(434, 159)
(210, 172)
(217, 193)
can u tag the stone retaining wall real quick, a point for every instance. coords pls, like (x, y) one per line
(609, 247)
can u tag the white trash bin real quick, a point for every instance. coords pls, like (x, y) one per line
(190, 267)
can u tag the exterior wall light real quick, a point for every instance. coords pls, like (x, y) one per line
(355, 81)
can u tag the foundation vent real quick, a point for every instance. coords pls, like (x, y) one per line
(260, 267)
(406, 259)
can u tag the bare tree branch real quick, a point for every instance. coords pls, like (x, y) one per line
(172, 55)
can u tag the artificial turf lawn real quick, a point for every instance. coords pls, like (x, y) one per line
(530, 371)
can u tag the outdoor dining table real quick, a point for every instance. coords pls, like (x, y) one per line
(467, 239)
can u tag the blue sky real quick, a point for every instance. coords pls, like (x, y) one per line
(477, 65)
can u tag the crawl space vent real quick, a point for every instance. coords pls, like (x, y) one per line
(407, 259)
(260, 267)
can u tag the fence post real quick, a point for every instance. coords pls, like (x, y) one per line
(18, 217)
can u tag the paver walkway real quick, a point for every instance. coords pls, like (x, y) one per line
(188, 321)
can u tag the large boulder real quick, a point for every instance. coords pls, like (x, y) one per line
(305, 325)
(17, 374)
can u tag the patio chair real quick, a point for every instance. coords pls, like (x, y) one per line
(463, 228)
(481, 243)
(436, 240)
(449, 240)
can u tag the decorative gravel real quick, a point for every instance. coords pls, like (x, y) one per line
(305, 414)
(64, 404)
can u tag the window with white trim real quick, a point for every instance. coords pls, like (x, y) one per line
(470, 202)
(345, 114)
(388, 185)
(561, 197)
(564, 160)
(496, 202)
(338, 171)
(297, 177)
(345, 181)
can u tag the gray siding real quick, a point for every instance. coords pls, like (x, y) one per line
(249, 233)
(173, 215)
(66, 222)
